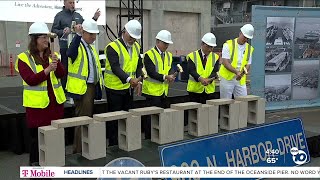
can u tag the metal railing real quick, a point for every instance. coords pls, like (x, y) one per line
(226, 18)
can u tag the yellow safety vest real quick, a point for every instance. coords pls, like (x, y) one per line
(78, 71)
(224, 72)
(37, 96)
(127, 64)
(152, 86)
(197, 87)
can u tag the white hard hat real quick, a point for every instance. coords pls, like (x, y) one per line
(90, 26)
(164, 36)
(133, 27)
(209, 39)
(38, 28)
(247, 30)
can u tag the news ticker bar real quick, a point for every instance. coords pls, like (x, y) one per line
(169, 172)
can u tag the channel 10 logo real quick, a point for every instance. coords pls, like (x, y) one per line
(298, 156)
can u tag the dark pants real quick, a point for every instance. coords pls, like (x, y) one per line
(34, 146)
(158, 101)
(83, 107)
(116, 102)
(201, 97)
(64, 61)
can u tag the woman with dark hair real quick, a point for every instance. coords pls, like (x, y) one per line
(43, 96)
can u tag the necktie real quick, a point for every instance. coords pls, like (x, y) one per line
(204, 62)
(129, 51)
(94, 65)
(162, 56)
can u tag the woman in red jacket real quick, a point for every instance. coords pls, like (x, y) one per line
(43, 96)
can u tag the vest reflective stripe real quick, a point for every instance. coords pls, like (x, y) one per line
(31, 62)
(57, 85)
(196, 63)
(157, 67)
(78, 71)
(156, 59)
(244, 78)
(121, 59)
(233, 47)
(157, 62)
(42, 88)
(37, 96)
(35, 88)
(197, 87)
(78, 75)
(224, 72)
(127, 64)
(152, 86)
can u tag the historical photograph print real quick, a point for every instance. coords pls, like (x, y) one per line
(305, 79)
(277, 87)
(307, 34)
(278, 59)
(279, 30)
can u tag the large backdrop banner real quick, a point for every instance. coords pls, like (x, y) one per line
(44, 11)
(285, 64)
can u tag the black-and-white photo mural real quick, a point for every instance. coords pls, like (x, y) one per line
(279, 30)
(305, 79)
(277, 87)
(307, 34)
(278, 59)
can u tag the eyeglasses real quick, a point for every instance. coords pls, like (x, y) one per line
(210, 47)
